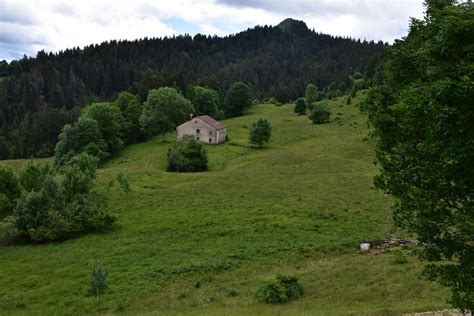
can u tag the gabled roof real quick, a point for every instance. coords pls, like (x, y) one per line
(212, 122)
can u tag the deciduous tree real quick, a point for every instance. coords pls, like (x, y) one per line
(164, 109)
(238, 99)
(260, 132)
(423, 115)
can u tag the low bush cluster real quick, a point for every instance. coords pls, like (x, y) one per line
(300, 106)
(280, 290)
(319, 113)
(187, 155)
(54, 205)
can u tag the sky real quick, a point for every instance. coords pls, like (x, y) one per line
(27, 26)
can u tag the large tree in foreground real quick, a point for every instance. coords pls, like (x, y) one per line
(424, 117)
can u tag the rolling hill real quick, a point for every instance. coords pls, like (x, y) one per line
(203, 243)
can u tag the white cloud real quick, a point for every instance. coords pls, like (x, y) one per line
(53, 25)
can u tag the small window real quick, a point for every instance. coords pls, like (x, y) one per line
(195, 122)
(210, 133)
(210, 140)
(198, 131)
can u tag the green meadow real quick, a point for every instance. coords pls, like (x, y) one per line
(203, 243)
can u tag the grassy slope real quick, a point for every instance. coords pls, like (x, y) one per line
(299, 206)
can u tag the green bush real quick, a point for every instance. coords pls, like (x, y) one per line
(57, 206)
(31, 177)
(300, 107)
(98, 283)
(83, 136)
(281, 290)
(9, 189)
(187, 155)
(399, 257)
(123, 181)
(260, 132)
(319, 114)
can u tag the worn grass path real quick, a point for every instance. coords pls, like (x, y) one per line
(203, 243)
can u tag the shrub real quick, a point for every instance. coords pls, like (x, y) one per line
(9, 189)
(98, 283)
(399, 257)
(281, 290)
(300, 107)
(83, 136)
(187, 156)
(319, 114)
(123, 181)
(31, 177)
(58, 206)
(8, 231)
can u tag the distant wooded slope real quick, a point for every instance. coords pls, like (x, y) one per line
(39, 95)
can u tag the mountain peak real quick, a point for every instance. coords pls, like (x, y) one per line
(295, 27)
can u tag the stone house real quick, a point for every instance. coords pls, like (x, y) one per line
(204, 129)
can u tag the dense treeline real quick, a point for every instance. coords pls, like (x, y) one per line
(40, 95)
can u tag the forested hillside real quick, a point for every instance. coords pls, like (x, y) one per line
(39, 95)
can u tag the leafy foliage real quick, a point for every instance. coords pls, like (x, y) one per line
(61, 206)
(187, 155)
(83, 136)
(205, 101)
(110, 124)
(319, 114)
(311, 95)
(164, 109)
(238, 99)
(32, 176)
(260, 132)
(123, 181)
(423, 117)
(131, 109)
(300, 106)
(281, 290)
(38, 96)
(98, 283)
(9, 189)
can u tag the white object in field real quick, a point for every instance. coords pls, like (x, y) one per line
(364, 246)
